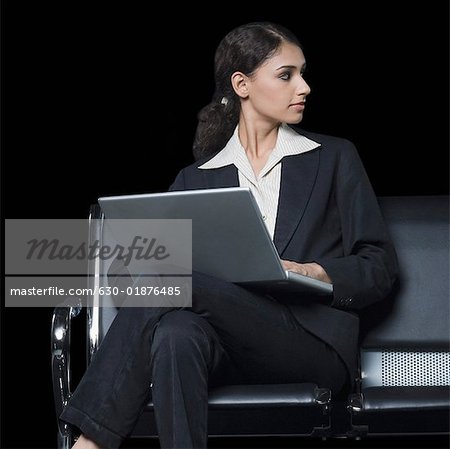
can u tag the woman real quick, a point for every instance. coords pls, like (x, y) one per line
(323, 216)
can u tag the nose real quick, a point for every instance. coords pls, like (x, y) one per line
(303, 87)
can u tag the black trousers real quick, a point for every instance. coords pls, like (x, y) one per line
(230, 335)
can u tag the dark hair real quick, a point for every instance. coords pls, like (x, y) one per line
(243, 49)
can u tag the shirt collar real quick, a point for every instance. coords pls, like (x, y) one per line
(288, 143)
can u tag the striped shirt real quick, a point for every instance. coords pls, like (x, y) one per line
(266, 186)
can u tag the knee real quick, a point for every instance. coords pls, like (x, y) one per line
(180, 330)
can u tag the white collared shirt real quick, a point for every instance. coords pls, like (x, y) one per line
(266, 186)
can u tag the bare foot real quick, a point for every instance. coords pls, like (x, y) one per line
(85, 443)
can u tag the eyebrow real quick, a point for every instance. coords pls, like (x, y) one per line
(290, 67)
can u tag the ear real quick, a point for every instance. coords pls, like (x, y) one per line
(239, 81)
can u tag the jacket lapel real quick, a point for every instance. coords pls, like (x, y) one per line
(298, 176)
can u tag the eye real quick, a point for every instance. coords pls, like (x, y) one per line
(286, 76)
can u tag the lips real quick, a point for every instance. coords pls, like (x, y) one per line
(298, 106)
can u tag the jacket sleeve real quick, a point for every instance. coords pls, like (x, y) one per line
(368, 268)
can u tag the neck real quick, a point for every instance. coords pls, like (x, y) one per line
(258, 139)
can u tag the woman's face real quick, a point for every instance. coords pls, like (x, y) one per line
(277, 90)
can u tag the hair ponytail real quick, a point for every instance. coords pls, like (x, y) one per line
(216, 124)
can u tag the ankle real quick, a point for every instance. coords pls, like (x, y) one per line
(85, 443)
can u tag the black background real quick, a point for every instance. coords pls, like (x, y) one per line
(101, 99)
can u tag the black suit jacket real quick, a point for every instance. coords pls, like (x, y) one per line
(327, 213)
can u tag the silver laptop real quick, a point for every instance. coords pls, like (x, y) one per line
(229, 237)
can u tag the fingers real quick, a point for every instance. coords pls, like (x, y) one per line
(295, 267)
(312, 270)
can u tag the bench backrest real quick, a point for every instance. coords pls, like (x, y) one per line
(405, 339)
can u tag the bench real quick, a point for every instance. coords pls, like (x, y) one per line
(403, 384)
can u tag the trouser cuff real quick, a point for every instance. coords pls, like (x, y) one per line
(91, 429)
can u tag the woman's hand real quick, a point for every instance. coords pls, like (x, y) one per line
(312, 270)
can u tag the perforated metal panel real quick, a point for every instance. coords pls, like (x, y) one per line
(415, 368)
(392, 368)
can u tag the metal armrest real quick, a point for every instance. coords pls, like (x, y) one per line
(60, 348)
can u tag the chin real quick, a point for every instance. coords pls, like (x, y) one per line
(295, 121)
